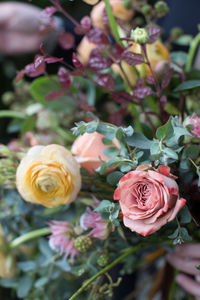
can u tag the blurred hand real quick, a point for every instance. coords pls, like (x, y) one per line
(185, 259)
(19, 28)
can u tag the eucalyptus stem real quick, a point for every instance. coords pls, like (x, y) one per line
(29, 236)
(104, 270)
(112, 22)
(193, 48)
(11, 114)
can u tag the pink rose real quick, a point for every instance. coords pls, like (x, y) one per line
(89, 150)
(148, 198)
(195, 121)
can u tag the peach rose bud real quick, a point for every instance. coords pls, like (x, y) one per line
(89, 150)
(49, 176)
(148, 199)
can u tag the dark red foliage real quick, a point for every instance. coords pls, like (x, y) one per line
(131, 58)
(117, 117)
(163, 101)
(122, 97)
(53, 95)
(140, 83)
(66, 40)
(76, 62)
(20, 75)
(154, 34)
(39, 64)
(84, 27)
(116, 52)
(166, 78)
(52, 60)
(64, 77)
(142, 92)
(106, 81)
(30, 71)
(150, 80)
(99, 62)
(98, 37)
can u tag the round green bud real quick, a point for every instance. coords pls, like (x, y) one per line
(140, 35)
(161, 8)
(176, 32)
(103, 260)
(127, 3)
(83, 243)
(146, 9)
(8, 98)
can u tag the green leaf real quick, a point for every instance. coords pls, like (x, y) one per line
(170, 153)
(104, 206)
(192, 151)
(107, 130)
(138, 140)
(107, 141)
(185, 235)
(27, 266)
(184, 40)
(162, 131)
(174, 235)
(41, 282)
(180, 57)
(155, 148)
(24, 286)
(185, 216)
(198, 267)
(111, 151)
(28, 125)
(113, 178)
(187, 85)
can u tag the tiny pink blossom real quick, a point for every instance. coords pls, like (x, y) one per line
(195, 121)
(61, 240)
(92, 220)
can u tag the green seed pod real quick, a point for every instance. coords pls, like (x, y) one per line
(146, 9)
(161, 8)
(140, 35)
(176, 32)
(83, 243)
(103, 260)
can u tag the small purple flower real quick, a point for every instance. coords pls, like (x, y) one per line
(61, 240)
(195, 121)
(92, 220)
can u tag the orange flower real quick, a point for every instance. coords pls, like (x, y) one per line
(119, 11)
(89, 150)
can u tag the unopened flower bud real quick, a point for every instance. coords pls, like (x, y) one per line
(140, 35)
(83, 243)
(175, 33)
(103, 260)
(146, 9)
(161, 8)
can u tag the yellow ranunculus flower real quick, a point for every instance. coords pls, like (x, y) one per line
(156, 52)
(49, 176)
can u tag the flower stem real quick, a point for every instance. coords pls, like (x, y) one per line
(104, 270)
(194, 45)
(28, 236)
(112, 22)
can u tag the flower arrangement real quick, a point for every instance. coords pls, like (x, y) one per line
(117, 190)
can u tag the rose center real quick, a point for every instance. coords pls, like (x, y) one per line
(143, 193)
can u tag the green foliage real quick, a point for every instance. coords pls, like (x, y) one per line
(109, 211)
(187, 85)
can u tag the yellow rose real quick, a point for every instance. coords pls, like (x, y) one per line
(128, 72)
(7, 262)
(156, 52)
(49, 176)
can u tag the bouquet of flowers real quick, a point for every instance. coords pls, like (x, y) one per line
(82, 207)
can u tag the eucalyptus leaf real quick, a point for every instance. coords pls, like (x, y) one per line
(138, 140)
(187, 85)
